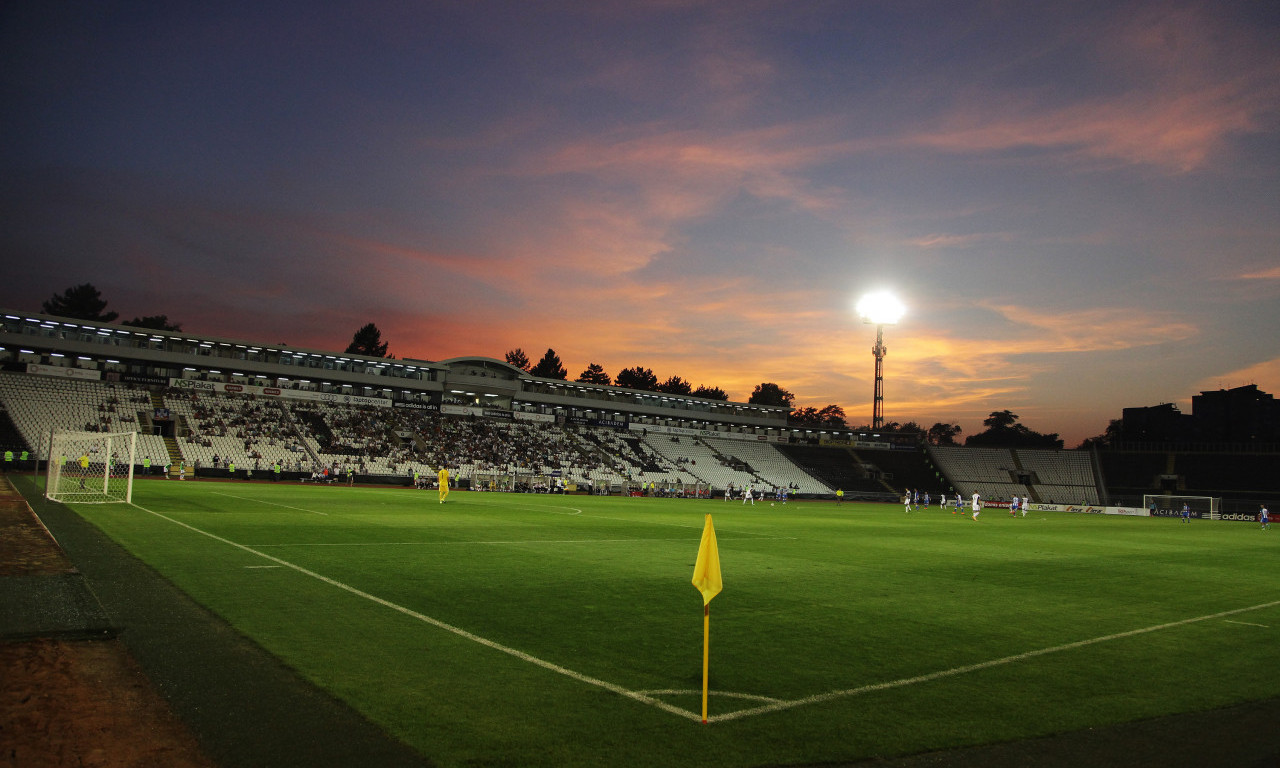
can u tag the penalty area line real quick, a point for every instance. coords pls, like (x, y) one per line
(484, 641)
(953, 672)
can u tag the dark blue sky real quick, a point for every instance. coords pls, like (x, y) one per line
(1078, 202)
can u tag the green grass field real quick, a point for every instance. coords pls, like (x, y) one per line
(564, 631)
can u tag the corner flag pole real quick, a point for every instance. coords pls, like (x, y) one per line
(706, 658)
(706, 577)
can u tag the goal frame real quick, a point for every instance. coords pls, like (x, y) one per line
(91, 467)
(1201, 506)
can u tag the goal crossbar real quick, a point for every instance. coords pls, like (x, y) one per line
(1205, 505)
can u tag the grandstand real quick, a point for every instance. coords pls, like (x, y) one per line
(206, 403)
(37, 405)
(997, 474)
(217, 431)
(839, 468)
(771, 468)
(1061, 476)
(694, 460)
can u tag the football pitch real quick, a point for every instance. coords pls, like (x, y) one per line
(535, 630)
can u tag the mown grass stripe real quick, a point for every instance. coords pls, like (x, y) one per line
(831, 695)
(521, 655)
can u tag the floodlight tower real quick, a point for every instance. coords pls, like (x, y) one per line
(880, 308)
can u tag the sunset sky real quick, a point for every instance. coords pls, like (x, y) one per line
(1078, 202)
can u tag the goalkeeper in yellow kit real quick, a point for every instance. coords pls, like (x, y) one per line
(443, 476)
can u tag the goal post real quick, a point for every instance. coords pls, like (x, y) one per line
(91, 467)
(1171, 505)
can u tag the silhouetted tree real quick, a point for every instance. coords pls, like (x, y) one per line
(943, 434)
(804, 417)
(82, 302)
(910, 426)
(594, 374)
(549, 367)
(368, 341)
(637, 378)
(676, 386)
(154, 322)
(1005, 419)
(831, 416)
(711, 393)
(770, 394)
(1004, 431)
(518, 358)
(1113, 434)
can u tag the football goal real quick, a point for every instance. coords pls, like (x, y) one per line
(91, 467)
(1200, 506)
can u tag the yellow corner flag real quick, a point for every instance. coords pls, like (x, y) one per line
(706, 577)
(706, 571)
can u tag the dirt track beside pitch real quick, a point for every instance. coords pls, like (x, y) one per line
(68, 700)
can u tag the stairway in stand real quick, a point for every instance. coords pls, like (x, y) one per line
(170, 443)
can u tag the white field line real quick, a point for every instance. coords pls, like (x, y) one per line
(713, 692)
(260, 501)
(521, 655)
(647, 697)
(831, 695)
(523, 542)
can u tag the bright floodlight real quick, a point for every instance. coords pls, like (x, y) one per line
(880, 308)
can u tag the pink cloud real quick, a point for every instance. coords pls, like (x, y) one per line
(1272, 273)
(1265, 374)
(1184, 84)
(944, 240)
(1095, 329)
(1178, 132)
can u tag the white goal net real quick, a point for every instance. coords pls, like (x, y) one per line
(91, 467)
(1171, 505)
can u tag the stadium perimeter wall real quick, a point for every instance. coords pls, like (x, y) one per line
(1086, 509)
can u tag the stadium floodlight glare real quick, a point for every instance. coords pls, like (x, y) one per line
(879, 308)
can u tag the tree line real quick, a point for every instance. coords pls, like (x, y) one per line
(1002, 427)
(638, 377)
(645, 380)
(1003, 430)
(85, 302)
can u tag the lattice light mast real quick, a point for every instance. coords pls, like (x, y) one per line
(880, 308)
